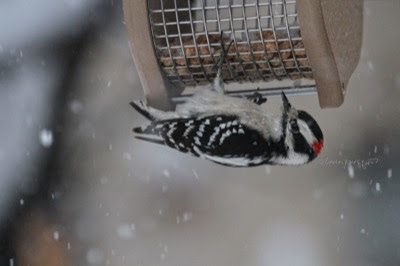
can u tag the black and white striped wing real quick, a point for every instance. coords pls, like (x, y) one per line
(219, 138)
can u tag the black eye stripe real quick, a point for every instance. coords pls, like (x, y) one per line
(301, 145)
(294, 126)
(311, 123)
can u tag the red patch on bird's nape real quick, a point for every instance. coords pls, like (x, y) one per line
(318, 146)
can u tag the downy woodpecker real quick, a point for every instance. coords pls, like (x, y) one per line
(233, 131)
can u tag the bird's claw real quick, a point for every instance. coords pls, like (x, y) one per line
(257, 98)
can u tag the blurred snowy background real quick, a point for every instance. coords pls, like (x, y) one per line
(77, 189)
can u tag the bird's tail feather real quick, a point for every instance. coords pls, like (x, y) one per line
(151, 113)
(148, 130)
(148, 133)
(142, 109)
(138, 130)
(152, 140)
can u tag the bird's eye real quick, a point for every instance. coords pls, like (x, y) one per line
(294, 126)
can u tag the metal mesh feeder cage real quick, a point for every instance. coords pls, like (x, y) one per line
(177, 44)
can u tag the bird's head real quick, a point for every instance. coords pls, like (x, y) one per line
(303, 136)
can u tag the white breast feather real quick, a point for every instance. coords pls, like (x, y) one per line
(293, 158)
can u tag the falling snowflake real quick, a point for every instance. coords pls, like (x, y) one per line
(196, 175)
(56, 235)
(127, 156)
(371, 66)
(389, 173)
(46, 137)
(95, 256)
(350, 170)
(166, 173)
(126, 231)
(378, 186)
(187, 216)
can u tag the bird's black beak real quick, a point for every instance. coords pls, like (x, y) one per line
(286, 103)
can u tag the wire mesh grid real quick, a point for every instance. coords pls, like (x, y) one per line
(267, 43)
